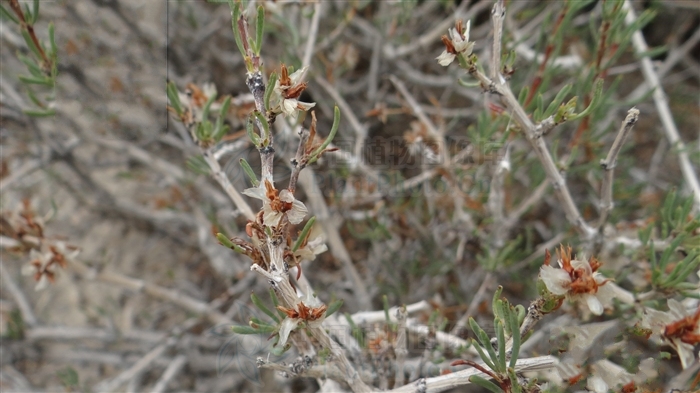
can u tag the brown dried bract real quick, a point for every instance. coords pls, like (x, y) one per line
(685, 329)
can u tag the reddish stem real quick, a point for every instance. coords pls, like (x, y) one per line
(14, 4)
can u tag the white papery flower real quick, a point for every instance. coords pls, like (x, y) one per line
(578, 280)
(678, 327)
(277, 203)
(596, 384)
(309, 309)
(287, 90)
(312, 247)
(455, 44)
(40, 268)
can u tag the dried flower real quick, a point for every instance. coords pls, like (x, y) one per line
(41, 268)
(578, 279)
(277, 203)
(309, 310)
(288, 89)
(457, 43)
(678, 327)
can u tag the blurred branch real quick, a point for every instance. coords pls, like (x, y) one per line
(662, 107)
(608, 165)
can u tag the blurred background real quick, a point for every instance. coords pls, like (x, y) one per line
(115, 176)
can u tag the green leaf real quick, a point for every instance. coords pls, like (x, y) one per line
(7, 14)
(31, 45)
(501, 339)
(557, 101)
(52, 41)
(333, 307)
(220, 130)
(270, 88)
(39, 113)
(243, 329)
(484, 357)
(304, 233)
(523, 95)
(265, 125)
(197, 165)
(259, 29)
(32, 80)
(594, 102)
(515, 336)
(173, 97)
(33, 68)
(331, 135)
(259, 304)
(254, 137)
(249, 172)
(35, 12)
(235, 15)
(485, 383)
(226, 242)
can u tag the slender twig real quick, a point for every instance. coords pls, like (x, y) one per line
(140, 366)
(461, 378)
(608, 165)
(335, 241)
(190, 304)
(17, 9)
(435, 134)
(661, 103)
(170, 373)
(497, 15)
(500, 88)
(400, 346)
(22, 303)
(225, 183)
(525, 205)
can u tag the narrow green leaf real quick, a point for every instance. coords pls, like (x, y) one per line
(514, 382)
(173, 97)
(594, 102)
(484, 357)
(496, 296)
(259, 304)
(259, 29)
(7, 14)
(30, 44)
(265, 125)
(39, 113)
(483, 339)
(31, 66)
(270, 88)
(235, 15)
(485, 383)
(249, 172)
(304, 233)
(52, 40)
(254, 137)
(333, 307)
(501, 339)
(207, 107)
(32, 80)
(226, 242)
(197, 165)
(557, 100)
(331, 135)
(523, 95)
(385, 303)
(243, 329)
(35, 12)
(220, 129)
(515, 336)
